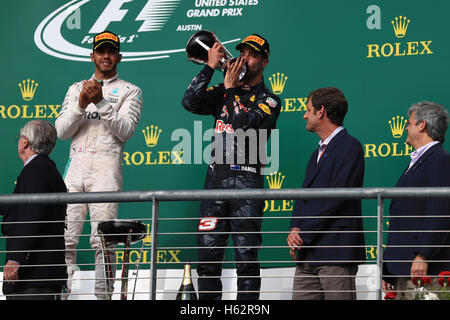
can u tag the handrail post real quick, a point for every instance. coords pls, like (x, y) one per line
(380, 217)
(154, 248)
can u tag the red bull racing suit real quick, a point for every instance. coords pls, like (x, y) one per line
(252, 112)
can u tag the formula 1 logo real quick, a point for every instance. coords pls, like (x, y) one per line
(139, 22)
(49, 39)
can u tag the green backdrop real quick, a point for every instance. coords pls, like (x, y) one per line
(352, 45)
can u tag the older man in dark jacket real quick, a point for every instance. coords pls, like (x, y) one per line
(35, 264)
(419, 238)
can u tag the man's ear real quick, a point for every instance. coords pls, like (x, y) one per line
(322, 112)
(25, 142)
(422, 126)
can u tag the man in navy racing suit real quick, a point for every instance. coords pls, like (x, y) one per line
(245, 109)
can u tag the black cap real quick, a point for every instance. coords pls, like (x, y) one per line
(256, 42)
(106, 37)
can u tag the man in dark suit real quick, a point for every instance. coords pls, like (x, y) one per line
(422, 251)
(35, 264)
(328, 272)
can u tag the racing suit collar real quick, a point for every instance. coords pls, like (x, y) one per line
(259, 86)
(107, 81)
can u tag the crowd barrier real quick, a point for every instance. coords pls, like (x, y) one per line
(146, 281)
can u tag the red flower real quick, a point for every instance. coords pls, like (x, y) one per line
(445, 275)
(421, 281)
(391, 295)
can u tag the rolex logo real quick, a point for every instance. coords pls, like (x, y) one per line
(28, 88)
(398, 125)
(278, 81)
(151, 135)
(275, 180)
(148, 238)
(400, 25)
(400, 48)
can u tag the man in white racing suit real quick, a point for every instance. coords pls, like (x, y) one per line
(100, 115)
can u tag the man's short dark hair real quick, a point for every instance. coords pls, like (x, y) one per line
(333, 100)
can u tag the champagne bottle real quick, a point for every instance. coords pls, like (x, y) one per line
(187, 291)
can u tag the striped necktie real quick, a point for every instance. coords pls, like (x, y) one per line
(321, 151)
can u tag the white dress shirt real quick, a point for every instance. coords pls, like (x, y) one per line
(415, 155)
(323, 144)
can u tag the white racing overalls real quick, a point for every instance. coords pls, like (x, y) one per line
(98, 134)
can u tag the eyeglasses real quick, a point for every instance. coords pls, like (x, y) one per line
(19, 136)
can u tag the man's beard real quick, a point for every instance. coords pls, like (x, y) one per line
(252, 74)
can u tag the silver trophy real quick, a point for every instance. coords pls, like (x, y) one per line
(197, 51)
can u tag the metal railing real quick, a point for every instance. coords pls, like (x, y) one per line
(155, 197)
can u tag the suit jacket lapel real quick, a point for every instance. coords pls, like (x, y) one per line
(311, 170)
(421, 160)
(314, 166)
(402, 181)
(402, 177)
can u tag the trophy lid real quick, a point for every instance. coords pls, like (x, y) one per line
(198, 45)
